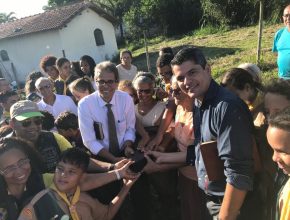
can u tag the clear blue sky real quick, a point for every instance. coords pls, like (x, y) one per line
(22, 8)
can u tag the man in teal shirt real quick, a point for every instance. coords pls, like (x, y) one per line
(282, 46)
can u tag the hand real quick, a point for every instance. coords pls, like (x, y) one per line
(154, 142)
(159, 157)
(118, 159)
(128, 151)
(142, 143)
(151, 166)
(121, 163)
(128, 183)
(124, 171)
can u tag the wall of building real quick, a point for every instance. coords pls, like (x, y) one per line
(77, 38)
(26, 51)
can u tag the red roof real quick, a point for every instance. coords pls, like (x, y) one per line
(49, 20)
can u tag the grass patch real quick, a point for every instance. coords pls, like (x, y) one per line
(223, 48)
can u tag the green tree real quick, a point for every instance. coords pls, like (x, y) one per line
(51, 4)
(4, 17)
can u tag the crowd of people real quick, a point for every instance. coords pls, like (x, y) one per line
(105, 141)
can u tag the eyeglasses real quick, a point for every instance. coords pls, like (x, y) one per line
(175, 91)
(61, 170)
(108, 82)
(10, 170)
(28, 122)
(286, 16)
(146, 91)
(44, 87)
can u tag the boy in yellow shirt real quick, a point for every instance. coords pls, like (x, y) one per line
(63, 200)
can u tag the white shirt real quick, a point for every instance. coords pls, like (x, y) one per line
(61, 104)
(125, 74)
(93, 108)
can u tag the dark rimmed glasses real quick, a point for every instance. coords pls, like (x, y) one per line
(107, 82)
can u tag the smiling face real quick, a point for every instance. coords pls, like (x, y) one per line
(192, 78)
(28, 129)
(45, 87)
(67, 177)
(85, 67)
(15, 166)
(145, 92)
(279, 141)
(179, 96)
(107, 85)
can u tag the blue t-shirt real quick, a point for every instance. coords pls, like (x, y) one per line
(282, 46)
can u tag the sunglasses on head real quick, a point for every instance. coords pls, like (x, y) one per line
(146, 91)
(28, 122)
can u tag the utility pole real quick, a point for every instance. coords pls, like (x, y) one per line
(261, 15)
(147, 53)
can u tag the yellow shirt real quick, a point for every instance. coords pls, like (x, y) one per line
(284, 202)
(63, 145)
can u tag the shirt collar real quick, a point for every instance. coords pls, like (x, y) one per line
(102, 103)
(211, 92)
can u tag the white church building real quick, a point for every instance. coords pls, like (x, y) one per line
(69, 31)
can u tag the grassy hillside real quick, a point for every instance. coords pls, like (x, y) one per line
(224, 49)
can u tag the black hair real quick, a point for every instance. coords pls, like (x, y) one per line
(66, 120)
(75, 65)
(5, 130)
(91, 63)
(279, 87)
(76, 157)
(47, 61)
(47, 121)
(29, 87)
(126, 51)
(238, 78)
(60, 61)
(190, 54)
(280, 119)
(34, 76)
(166, 50)
(9, 143)
(164, 60)
(34, 183)
(4, 96)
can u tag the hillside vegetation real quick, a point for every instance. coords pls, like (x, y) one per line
(224, 49)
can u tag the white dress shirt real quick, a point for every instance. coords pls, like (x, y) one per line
(93, 108)
(61, 104)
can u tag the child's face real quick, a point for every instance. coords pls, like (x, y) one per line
(67, 177)
(280, 142)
